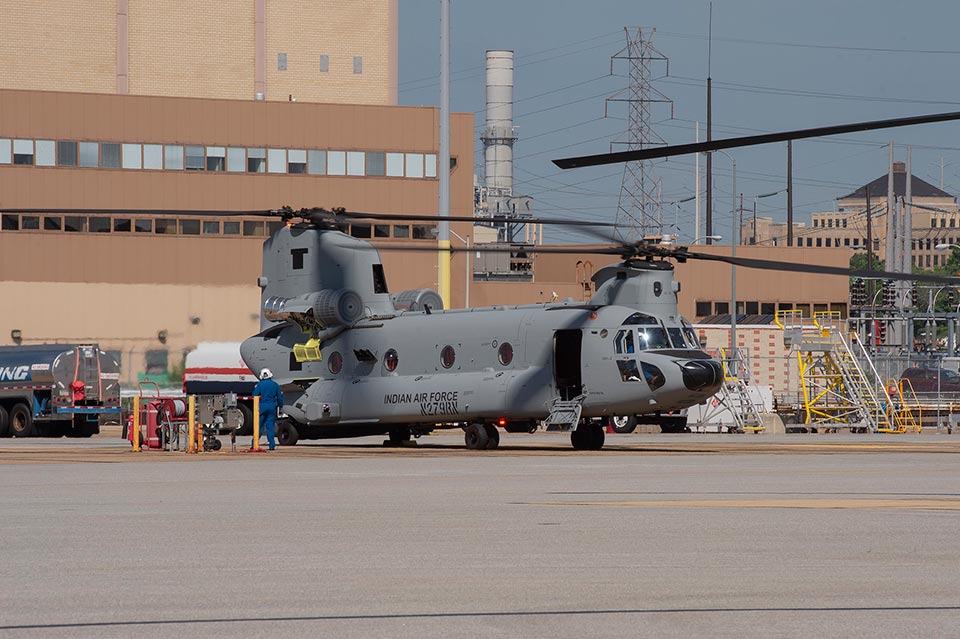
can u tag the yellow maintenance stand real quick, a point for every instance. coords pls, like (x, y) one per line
(840, 385)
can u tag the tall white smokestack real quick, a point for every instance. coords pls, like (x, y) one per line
(498, 136)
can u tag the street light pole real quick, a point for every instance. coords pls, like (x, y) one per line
(733, 268)
(466, 267)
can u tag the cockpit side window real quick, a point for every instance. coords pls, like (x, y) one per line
(676, 337)
(640, 319)
(624, 342)
(692, 339)
(629, 372)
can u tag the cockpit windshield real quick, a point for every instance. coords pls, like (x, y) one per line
(649, 335)
(692, 339)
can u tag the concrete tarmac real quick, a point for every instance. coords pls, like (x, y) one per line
(661, 536)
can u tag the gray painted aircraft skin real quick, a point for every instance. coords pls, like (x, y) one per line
(626, 352)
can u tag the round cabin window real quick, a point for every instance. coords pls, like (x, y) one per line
(448, 356)
(335, 363)
(505, 353)
(390, 360)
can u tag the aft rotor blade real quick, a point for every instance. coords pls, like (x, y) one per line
(750, 140)
(561, 250)
(220, 213)
(774, 265)
(354, 215)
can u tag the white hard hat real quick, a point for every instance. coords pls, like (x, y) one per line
(266, 374)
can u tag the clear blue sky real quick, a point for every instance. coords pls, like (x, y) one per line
(776, 65)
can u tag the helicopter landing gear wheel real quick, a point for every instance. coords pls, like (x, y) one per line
(287, 434)
(623, 423)
(588, 436)
(475, 436)
(493, 436)
(399, 435)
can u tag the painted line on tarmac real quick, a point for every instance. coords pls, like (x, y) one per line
(847, 504)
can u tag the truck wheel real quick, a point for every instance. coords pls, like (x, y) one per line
(493, 436)
(4, 422)
(21, 421)
(623, 423)
(246, 420)
(287, 434)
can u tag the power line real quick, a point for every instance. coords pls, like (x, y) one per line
(808, 45)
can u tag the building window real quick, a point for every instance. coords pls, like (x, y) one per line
(336, 163)
(194, 155)
(381, 230)
(110, 155)
(819, 241)
(844, 222)
(30, 222)
(156, 362)
(415, 165)
(74, 224)
(23, 151)
(401, 231)
(143, 226)
(430, 165)
(9, 222)
(153, 157)
(256, 160)
(358, 64)
(355, 164)
(165, 226)
(46, 153)
(928, 261)
(721, 308)
(252, 229)
(703, 309)
(936, 260)
(281, 62)
(316, 162)
(324, 63)
(121, 225)
(943, 220)
(6, 156)
(131, 156)
(89, 155)
(376, 163)
(173, 157)
(360, 230)
(423, 232)
(933, 222)
(189, 227)
(276, 161)
(231, 228)
(846, 241)
(828, 242)
(211, 227)
(751, 308)
(768, 308)
(98, 224)
(52, 223)
(395, 164)
(216, 158)
(236, 159)
(297, 161)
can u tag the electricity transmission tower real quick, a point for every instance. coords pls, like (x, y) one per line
(639, 210)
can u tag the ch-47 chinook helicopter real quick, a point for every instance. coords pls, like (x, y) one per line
(354, 360)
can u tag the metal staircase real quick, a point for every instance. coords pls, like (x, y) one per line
(841, 387)
(735, 397)
(565, 412)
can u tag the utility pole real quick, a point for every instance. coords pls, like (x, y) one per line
(709, 230)
(789, 192)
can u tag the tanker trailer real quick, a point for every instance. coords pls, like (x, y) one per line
(56, 389)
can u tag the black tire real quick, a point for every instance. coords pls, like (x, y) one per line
(673, 425)
(21, 421)
(588, 436)
(623, 423)
(4, 422)
(215, 444)
(287, 434)
(246, 420)
(493, 436)
(475, 437)
(399, 435)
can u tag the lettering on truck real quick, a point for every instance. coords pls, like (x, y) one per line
(14, 374)
(432, 403)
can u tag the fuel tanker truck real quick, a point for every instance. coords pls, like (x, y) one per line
(56, 389)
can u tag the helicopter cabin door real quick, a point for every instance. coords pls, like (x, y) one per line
(566, 363)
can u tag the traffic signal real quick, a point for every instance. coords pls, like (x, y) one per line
(913, 295)
(951, 298)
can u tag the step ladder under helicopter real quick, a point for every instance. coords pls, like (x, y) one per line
(735, 398)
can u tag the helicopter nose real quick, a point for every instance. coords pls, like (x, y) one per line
(703, 375)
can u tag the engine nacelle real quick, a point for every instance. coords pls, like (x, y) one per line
(329, 307)
(418, 300)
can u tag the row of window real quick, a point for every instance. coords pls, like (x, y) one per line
(324, 63)
(705, 309)
(448, 357)
(215, 159)
(935, 222)
(194, 226)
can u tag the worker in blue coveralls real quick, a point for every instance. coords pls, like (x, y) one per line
(271, 400)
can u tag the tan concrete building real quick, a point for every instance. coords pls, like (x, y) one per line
(339, 52)
(847, 226)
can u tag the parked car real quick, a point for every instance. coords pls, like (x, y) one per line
(924, 380)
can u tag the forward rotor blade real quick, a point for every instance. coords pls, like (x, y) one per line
(750, 140)
(749, 262)
(354, 215)
(561, 250)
